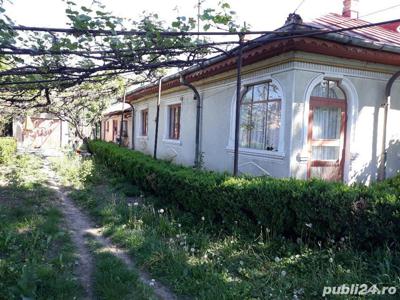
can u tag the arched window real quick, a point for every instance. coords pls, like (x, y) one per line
(260, 117)
(328, 89)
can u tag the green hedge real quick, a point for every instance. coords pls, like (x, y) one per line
(312, 210)
(8, 147)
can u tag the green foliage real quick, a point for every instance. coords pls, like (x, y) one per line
(36, 254)
(113, 279)
(181, 250)
(315, 211)
(8, 147)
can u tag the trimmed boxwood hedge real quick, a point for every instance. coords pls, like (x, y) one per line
(8, 147)
(313, 210)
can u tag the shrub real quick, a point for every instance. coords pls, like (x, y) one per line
(8, 147)
(311, 210)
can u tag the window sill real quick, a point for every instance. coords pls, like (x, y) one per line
(258, 153)
(174, 142)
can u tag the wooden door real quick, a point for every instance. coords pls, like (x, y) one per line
(326, 138)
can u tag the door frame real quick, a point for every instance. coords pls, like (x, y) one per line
(327, 102)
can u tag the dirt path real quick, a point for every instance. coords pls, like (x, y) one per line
(80, 225)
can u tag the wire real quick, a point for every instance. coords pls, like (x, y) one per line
(95, 32)
(298, 7)
(370, 14)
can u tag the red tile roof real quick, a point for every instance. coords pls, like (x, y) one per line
(376, 35)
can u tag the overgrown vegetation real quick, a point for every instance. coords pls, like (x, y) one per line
(314, 211)
(113, 279)
(8, 147)
(203, 258)
(36, 255)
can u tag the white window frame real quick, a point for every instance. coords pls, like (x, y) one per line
(266, 154)
(166, 105)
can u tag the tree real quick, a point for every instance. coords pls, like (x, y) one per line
(43, 62)
(82, 106)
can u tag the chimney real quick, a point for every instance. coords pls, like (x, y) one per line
(350, 9)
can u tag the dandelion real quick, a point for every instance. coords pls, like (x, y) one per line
(178, 236)
(331, 260)
(152, 282)
(342, 239)
(141, 196)
(136, 203)
(241, 262)
(309, 225)
(171, 240)
(179, 225)
(205, 256)
(283, 273)
(277, 259)
(236, 222)
(129, 204)
(192, 250)
(268, 230)
(161, 211)
(203, 218)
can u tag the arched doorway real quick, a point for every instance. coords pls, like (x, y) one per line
(327, 131)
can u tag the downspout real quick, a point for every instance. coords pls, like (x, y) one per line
(198, 115)
(157, 117)
(237, 112)
(122, 118)
(385, 120)
(132, 126)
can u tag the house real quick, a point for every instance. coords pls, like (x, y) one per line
(312, 105)
(40, 131)
(111, 124)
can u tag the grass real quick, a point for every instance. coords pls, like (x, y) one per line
(36, 254)
(181, 251)
(113, 279)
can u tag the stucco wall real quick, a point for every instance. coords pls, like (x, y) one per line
(108, 135)
(296, 74)
(44, 132)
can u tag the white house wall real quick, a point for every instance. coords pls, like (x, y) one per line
(364, 84)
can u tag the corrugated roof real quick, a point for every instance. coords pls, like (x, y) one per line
(376, 34)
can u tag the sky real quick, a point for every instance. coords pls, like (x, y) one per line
(260, 14)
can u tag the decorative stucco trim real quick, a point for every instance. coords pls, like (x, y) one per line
(263, 154)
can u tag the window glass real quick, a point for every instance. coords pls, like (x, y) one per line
(328, 89)
(260, 117)
(145, 122)
(174, 121)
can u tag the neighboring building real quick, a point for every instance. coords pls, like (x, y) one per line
(111, 124)
(312, 106)
(40, 132)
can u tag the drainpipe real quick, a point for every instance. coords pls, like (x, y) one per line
(385, 120)
(237, 112)
(157, 117)
(198, 114)
(133, 126)
(122, 118)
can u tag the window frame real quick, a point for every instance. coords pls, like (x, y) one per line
(266, 101)
(174, 126)
(124, 128)
(144, 122)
